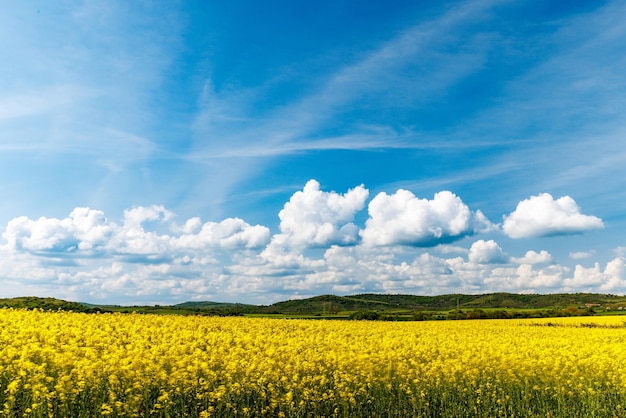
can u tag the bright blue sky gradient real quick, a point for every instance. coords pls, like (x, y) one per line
(470, 146)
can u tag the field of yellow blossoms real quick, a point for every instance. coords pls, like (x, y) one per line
(60, 364)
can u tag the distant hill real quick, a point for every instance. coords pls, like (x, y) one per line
(331, 304)
(217, 308)
(213, 305)
(47, 304)
(386, 302)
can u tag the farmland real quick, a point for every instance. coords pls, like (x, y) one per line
(81, 365)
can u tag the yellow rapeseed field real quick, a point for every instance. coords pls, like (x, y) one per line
(60, 364)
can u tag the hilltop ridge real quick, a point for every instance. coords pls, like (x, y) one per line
(323, 305)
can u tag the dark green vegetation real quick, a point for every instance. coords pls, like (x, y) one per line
(373, 306)
(48, 304)
(454, 306)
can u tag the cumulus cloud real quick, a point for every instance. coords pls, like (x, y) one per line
(149, 257)
(541, 215)
(486, 252)
(84, 229)
(230, 233)
(86, 232)
(525, 278)
(487, 270)
(533, 257)
(404, 219)
(615, 273)
(133, 218)
(316, 218)
(588, 279)
(366, 269)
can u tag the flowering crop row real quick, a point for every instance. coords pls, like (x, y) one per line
(79, 365)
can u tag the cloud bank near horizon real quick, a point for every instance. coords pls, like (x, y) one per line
(404, 245)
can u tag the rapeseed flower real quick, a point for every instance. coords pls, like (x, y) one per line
(70, 364)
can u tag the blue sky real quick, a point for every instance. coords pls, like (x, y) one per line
(159, 152)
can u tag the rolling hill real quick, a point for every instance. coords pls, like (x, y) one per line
(331, 304)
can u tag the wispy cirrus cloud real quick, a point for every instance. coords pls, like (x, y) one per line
(78, 61)
(229, 127)
(381, 69)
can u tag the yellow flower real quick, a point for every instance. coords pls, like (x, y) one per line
(106, 409)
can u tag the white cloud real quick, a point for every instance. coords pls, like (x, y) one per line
(316, 218)
(84, 230)
(611, 278)
(533, 257)
(525, 278)
(451, 249)
(486, 252)
(543, 216)
(620, 251)
(380, 270)
(615, 272)
(581, 255)
(133, 218)
(133, 240)
(404, 219)
(366, 269)
(87, 231)
(231, 233)
(361, 269)
(149, 258)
